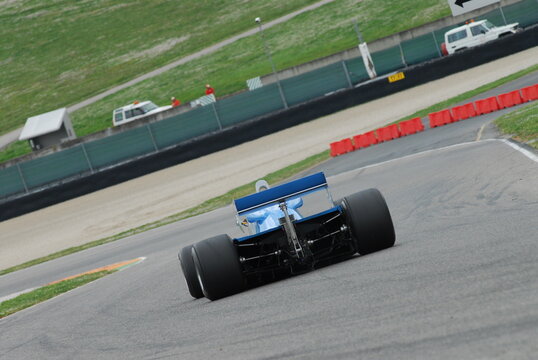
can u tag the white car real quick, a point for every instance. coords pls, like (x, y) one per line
(135, 111)
(474, 34)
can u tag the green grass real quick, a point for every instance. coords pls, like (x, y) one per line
(44, 293)
(73, 50)
(58, 52)
(469, 94)
(522, 124)
(13, 150)
(326, 30)
(209, 205)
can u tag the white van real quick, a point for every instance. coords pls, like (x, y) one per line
(474, 34)
(135, 111)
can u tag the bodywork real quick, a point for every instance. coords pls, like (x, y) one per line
(292, 228)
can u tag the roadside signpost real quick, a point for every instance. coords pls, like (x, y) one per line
(459, 7)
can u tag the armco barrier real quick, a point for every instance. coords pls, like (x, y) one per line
(510, 99)
(486, 106)
(530, 93)
(464, 111)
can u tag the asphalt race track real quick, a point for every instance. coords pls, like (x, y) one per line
(459, 284)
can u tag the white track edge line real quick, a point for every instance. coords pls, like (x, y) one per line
(521, 149)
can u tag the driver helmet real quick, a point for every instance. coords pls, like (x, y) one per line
(262, 185)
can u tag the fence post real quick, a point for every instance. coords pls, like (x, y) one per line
(502, 14)
(87, 158)
(436, 45)
(346, 71)
(22, 178)
(402, 53)
(152, 138)
(216, 115)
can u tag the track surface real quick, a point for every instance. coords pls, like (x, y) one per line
(460, 283)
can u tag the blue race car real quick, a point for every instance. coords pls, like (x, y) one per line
(291, 228)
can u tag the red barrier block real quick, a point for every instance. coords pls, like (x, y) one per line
(395, 131)
(361, 141)
(341, 147)
(440, 118)
(485, 106)
(530, 93)
(347, 145)
(335, 148)
(384, 134)
(510, 99)
(418, 123)
(372, 137)
(464, 111)
(435, 120)
(408, 127)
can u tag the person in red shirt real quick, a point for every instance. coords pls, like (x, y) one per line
(209, 90)
(175, 102)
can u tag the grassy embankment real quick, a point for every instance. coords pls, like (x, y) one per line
(47, 292)
(521, 124)
(72, 64)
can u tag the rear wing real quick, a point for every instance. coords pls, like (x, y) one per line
(281, 192)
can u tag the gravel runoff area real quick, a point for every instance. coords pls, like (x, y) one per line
(154, 196)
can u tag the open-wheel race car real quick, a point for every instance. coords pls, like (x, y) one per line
(292, 228)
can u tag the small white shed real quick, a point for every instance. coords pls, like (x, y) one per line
(48, 129)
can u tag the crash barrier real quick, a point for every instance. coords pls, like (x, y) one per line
(341, 147)
(530, 93)
(436, 119)
(440, 118)
(510, 99)
(176, 142)
(377, 136)
(463, 112)
(483, 106)
(365, 140)
(486, 106)
(410, 127)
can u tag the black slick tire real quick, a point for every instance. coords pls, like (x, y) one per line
(369, 220)
(218, 267)
(189, 271)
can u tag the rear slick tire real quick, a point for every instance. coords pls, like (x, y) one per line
(218, 267)
(369, 220)
(189, 271)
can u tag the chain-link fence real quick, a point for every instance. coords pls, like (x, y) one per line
(102, 153)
